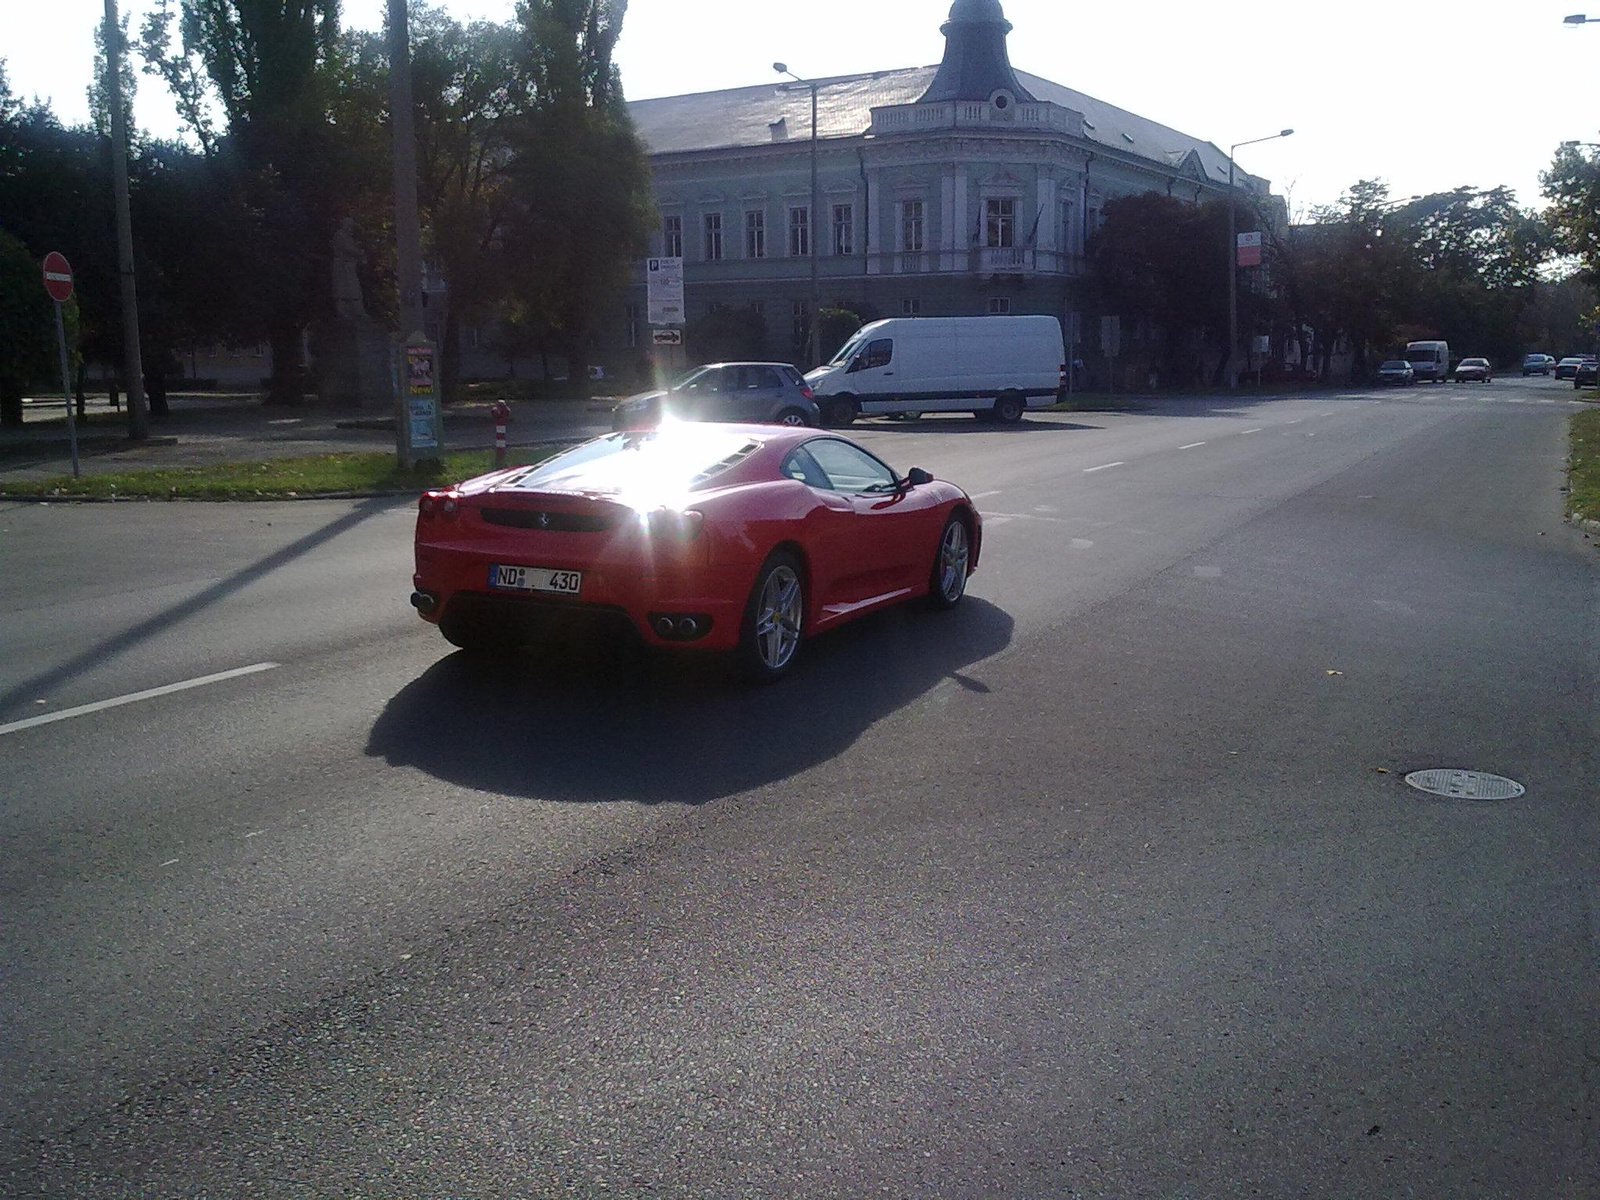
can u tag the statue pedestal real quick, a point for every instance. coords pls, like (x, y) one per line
(352, 363)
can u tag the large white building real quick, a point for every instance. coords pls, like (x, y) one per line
(961, 189)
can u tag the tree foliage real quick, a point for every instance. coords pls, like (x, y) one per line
(1572, 188)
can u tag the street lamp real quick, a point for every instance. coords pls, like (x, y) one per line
(1580, 19)
(1233, 255)
(812, 222)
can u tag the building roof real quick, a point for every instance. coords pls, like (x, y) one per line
(746, 116)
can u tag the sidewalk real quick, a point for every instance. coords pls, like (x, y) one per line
(208, 429)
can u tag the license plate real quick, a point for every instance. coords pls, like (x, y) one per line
(536, 579)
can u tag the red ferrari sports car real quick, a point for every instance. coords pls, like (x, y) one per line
(721, 537)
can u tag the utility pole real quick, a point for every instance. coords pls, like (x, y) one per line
(1233, 258)
(813, 225)
(138, 414)
(407, 220)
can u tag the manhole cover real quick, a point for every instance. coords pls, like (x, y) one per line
(1466, 785)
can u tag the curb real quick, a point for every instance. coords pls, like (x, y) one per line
(23, 448)
(69, 498)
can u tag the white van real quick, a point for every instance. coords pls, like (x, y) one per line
(994, 367)
(1430, 360)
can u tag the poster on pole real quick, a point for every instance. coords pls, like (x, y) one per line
(1249, 249)
(422, 397)
(664, 277)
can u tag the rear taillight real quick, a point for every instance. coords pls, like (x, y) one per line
(1063, 374)
(808, 393)
(439, 504)
(668, 523)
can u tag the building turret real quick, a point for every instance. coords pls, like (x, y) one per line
(976, 64)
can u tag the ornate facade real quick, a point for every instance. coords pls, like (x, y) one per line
(962, 189)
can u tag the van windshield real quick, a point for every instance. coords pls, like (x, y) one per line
(849, 348)
(1421, 356)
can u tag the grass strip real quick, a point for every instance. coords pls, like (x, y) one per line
(274, 479)
(1583, 470)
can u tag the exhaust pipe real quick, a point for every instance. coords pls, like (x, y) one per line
(665, 627)
(424, 602)
(688, 628)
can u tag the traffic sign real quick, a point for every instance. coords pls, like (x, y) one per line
(664, 277)
(667, 337)
(1249, 249)
(57, 277)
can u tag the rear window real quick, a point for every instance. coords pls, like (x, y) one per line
(677, 458)
(794, 377)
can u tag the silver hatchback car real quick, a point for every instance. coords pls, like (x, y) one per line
(745, 393)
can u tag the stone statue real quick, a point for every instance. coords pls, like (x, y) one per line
(347, 300)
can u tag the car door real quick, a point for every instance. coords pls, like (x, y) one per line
(886, 542)
(700, 398)
(871, 377)
(829, 538)
(754, 394)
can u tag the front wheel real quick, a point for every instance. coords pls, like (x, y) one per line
(774, 619)
(951, 565)
(840, 412)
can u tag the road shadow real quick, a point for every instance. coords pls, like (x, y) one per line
(96, 655)
(595, 724)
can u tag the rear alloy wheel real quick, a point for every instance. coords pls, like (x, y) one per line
(792, 417)
(950, 566)
(1008, 409)
(773, 620)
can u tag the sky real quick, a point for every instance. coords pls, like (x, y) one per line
(1386, 89)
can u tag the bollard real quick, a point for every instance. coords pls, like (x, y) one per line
(502, 416)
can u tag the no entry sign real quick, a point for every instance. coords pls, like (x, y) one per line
(58, 277)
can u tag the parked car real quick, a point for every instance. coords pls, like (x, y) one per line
(1537, 364)
(753, 393)
(993, 367)
(1567, 367)
(1397, 371)
(1587, 374)
(741, 538)
(1430, 360)
(1474, 370)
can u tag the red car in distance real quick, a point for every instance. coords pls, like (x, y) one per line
(740, 538)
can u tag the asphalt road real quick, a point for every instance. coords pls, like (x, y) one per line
(1106, 885)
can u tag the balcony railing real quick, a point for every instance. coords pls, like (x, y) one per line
(970, 114)
(1004, 260)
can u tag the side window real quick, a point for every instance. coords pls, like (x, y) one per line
(767, 379)
(850, 469)
(709, 381)
(879, 354)
(800, 465)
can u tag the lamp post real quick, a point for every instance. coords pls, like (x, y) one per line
(1233, 255)
(811, 223)
(1574, 20)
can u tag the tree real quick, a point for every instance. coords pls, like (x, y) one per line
(727, 335)
(1572, 186)
(268, 65)
(28, 355)
(579, 174)
(1164, 261)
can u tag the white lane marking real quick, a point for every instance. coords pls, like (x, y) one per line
(1082, 544)
(1102, 467)
(986, 495)
(1045, 508)
(1243, 432)
(990, 521)
(84, 710)
(169, 862)
(1191, 445)
(257, 833)
(1296, 421)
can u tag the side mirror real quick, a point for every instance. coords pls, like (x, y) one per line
(917, 477)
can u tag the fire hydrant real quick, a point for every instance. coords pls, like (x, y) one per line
(501, 412)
